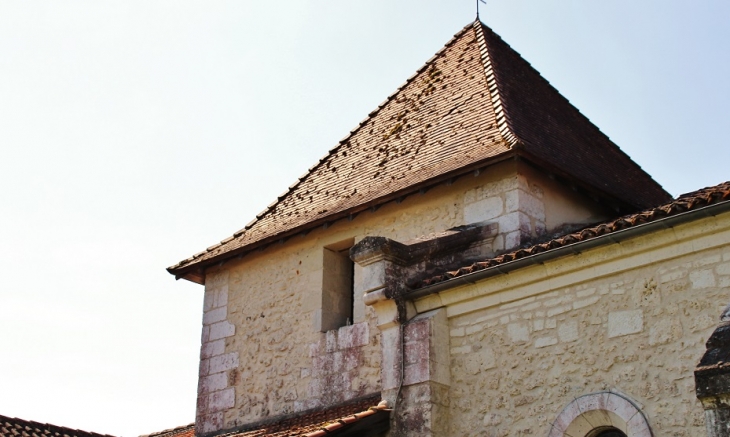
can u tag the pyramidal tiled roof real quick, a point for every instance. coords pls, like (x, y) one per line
(475, 102)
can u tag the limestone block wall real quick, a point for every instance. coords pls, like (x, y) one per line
(526, 204)
(510, 202)
(343, 367)
(271, 299)
(218, 368)
(639, 332)
(268, 356)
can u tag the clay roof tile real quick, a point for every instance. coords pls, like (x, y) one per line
(477, 100)
(686, 202)
(10, 426)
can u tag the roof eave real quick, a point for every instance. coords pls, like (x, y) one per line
(620, 205)
(195, 271)
(575, 248)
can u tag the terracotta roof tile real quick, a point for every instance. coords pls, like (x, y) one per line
(14, 427)
(555, 133)
(328, 421)
(332, 419)
(180, 431)
(686, 202)
(474, 102)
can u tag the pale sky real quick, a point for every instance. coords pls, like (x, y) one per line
(136, 133)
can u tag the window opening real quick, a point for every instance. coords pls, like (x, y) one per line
(337, 286)
(609, 432)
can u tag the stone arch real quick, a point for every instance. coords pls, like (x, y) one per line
(592, 412)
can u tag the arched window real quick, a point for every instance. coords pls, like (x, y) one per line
(608, 432)
(602, 414)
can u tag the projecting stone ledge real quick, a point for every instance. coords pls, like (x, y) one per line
(417, 259)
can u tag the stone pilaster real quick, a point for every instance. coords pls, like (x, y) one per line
(378, 261)
(415, 373)
(422, 409)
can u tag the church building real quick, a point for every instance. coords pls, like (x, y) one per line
(476, 258)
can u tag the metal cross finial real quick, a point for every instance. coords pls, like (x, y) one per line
(478, 7)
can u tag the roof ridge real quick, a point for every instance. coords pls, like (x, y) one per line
(503, 121)
(560, 96)
(492, 103)
(333, 150)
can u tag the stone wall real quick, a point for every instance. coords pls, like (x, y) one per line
(527, 205)
(639, 332)
(267, 356)
(218, 368)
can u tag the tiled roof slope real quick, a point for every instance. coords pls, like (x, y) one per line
(13, 427)
(180, 431)
(684, 203)
(330, 421)
(476, 101)
(554, 132)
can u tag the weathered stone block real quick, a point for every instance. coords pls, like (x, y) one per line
(702, 279)
(352, 359)
(323, 364)
(416, 351)
(457, 332)
(222, 363)
(518, 332)
(331, 341)
(512, 200)
(204, 367)
(707, 260)
(520, 200)
(314, 389)
(215, 315)
(474, 329)
(484, 209)
(559, 310)
(353, 336)
(545, 342)
(391, 369)
(212, 348)
(568, 331)
(585, 293)
(221, 330)
(417, 330)
(514, 221)
(513, 240)
(416, 372)
(585, 302)
(221, 400)
(538, 325)
(209, 423)
(208, 300)
(221, 297)
(338, 361)
(212, 383)
(625, 322)
(673, 275)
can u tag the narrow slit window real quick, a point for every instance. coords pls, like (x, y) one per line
(337, 286)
